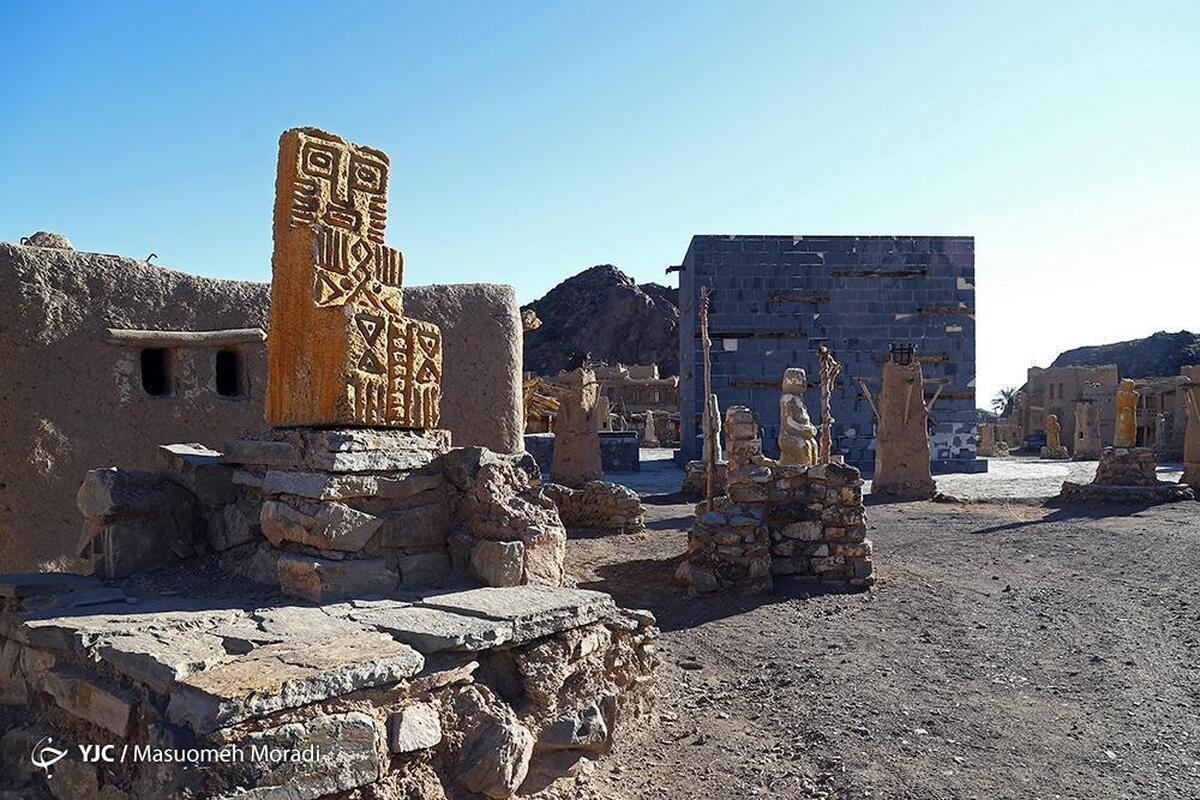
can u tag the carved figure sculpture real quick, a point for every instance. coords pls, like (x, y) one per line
(576, 458)
(797, 434)
(902, 454)
(1127, 403)
(340, 350)
(1053, 432)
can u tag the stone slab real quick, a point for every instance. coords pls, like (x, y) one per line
(432, 630)
(534, 611)
(289, 675)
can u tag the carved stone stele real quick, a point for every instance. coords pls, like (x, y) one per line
(902, 457)
(340, 350)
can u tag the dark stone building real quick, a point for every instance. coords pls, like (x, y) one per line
(776, 299)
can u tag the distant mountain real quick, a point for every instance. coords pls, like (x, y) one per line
(1161, 354)
(602, 313)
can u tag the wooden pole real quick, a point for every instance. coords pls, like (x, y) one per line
(711, 446)
(829, 371)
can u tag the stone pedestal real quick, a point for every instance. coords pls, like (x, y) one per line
(1058, 453)
(777, 519)
(1126, 475)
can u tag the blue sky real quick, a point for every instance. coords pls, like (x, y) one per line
(531, 140)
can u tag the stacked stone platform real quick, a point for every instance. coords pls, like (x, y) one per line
(333, 513)
(777, 519)
(459, 694)
(1126, 475)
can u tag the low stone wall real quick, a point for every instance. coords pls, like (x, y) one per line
(599, 505)
(793, 520)
(484, 693)
(334, 513)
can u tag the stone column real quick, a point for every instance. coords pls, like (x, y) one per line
(576, 457)
(902, 442)
(987, 440)
(1191, 442)
(1087, 431)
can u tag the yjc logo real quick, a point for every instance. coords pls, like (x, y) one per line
(46, 755)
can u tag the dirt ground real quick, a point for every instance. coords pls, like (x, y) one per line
(1007, 651)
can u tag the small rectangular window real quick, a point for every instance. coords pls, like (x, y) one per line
(229, 373)
(156, 371)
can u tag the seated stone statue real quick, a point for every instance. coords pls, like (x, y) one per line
(797, 434)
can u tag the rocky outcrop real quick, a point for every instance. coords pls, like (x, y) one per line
(1161, 354)
(603, 314)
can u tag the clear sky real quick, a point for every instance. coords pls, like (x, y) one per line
(531, 140)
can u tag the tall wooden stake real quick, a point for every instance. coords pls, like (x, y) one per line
(829, 372)
(710, 444)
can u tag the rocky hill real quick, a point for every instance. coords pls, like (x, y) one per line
(1157, 355)
(602, 313)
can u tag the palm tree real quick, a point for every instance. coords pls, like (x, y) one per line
(1002, 402)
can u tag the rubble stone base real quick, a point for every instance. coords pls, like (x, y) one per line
(599, 505)
(1059, 453)
(462, 694)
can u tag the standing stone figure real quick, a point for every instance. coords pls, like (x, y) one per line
(797, 434)
(1160, 434)
(576, 457)
(987, 440)
(1087, 431)
(902, 456)
(1191, 439)
(1054, 446)
(649, 434)
(1127, 403)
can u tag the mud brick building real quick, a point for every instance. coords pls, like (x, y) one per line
(776, 299)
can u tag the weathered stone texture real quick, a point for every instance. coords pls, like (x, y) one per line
(1191, 445)
(342, 352)
(902, 465)
(577, 430)
(210, 672)
(599, 505)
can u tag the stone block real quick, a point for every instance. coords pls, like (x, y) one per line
(351, 755)
(201, 471)
(432, 630)
(263, 453)
(498, 563)
(534, 611)
(289, 675)
(229, 528)
(495, 759)
(325, 580)
(80, 696)
(415, 727)
(324, 526)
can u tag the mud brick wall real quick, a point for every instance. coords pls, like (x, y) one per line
(776, 299)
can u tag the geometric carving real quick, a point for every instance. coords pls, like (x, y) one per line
(340, 350)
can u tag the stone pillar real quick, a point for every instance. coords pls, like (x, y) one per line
(649, 434)
(987, 440)
(576, 457)
(1191, 442)
(1087, 431)
(902, 442)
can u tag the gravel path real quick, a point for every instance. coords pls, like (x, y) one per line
(1007, 651)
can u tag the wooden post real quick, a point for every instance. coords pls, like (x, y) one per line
(829, 372)
(711, 445)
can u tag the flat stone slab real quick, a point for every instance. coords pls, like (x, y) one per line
(534, 611)
(432, 630)
(288, 675)
(340, 449)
